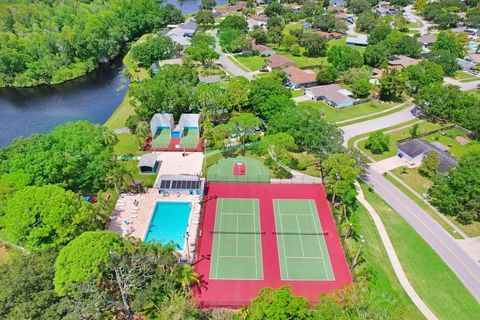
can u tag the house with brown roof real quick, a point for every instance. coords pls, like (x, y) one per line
(401, 61)
(262, 50)
(257, 20)
(293, 6)
(277, 61)
(328, 35)
(299, 78)
(427, 39)
(331, 94)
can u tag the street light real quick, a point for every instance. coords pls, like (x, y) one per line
(355, 259)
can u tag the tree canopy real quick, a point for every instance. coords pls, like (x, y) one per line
(344, 57)
(153, 49)
(77, 156)
(54, 41)
(47, 217)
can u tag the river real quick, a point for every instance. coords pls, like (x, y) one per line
(94, 97)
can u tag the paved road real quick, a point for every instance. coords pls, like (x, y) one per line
(392, 256)
(393, 119)
(464, 86)
(424, 28)
(467, 270)
(229, 64)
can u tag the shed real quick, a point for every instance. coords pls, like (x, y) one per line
(148, 163)
(161, 121)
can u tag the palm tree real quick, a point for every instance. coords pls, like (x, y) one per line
(110, 138)
(120, 178)
(189, 277)
(142, 131)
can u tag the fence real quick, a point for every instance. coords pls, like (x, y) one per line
(297, 180)
(424, 134)
(248, 178)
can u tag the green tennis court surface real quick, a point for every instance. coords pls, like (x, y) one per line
(161, 139)
(237, 248)
(190, 138)
(223, 171)
(302, 249)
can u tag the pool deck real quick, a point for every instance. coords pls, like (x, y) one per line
(139, 219)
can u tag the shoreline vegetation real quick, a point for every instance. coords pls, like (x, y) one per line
(49, 44)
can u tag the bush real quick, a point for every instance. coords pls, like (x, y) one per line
(378, 142)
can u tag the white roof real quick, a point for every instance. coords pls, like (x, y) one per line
(175, 163)
(189, 120)
(147, 160)
(160, 120)
(359, 39)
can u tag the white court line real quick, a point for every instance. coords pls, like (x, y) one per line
(295, 214)
(236, 245)
(237, 214)
(249, 257)
(277, 204)
(311, 258)
(301, 241)
(318, 239)
(254, 237)
(218, 253)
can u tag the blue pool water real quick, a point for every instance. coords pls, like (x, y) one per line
(169, 222)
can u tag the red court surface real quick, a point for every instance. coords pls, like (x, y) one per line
(172, 146)
(237, 293)
(239, 169)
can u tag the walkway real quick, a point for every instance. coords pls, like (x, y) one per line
(392, 256)
(464, 86)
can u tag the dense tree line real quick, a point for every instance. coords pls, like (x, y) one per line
(48, 42)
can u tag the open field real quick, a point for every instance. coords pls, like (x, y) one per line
(431, 278)
(252, 63)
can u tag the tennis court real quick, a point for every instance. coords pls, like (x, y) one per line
(301, 242)
(253, 171)
(237, 243)
(190, 138)
(161, 139)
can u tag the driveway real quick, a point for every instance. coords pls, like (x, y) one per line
(461, 263)
(425, 24)
(390, 120)
(302, 98)
(388, 164)
(464, 86)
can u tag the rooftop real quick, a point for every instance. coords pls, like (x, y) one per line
(332, 92)
(401, 60)
(417, 147)
(299, 76)
(278, 61)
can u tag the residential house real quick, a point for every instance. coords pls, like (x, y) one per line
(236, 7)
(148, 163)
(293, 6)
(257, 20)
(336, 9)
(415, 150)
(401, 61)
(466, 65)
(332, 94)
(298, 78)
(277, 61)
(182, 33)
(338, 3)
(262, 50)
(474, 57)
(427, 39)
(329, 35)
(210, 79)
(383, 8)
(360, 40)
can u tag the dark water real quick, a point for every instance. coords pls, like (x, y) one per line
(94, 97)
(189, 6)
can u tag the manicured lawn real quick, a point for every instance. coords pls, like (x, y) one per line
(297, 93)
(252, 63)
(241, 66)
(358, 110)
(431, 278)
(127, 144)
(117, 119)
(414, 179)
(447, 138)
(147, 179)
(301, 61)
(464, 76)
(376, 260)
(398, 135)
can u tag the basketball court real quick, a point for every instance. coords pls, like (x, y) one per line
(238, 169)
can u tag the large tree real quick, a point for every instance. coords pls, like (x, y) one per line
(344, 58)
(77, 155)
(153, 49)
(457, 194)
(84, 258)
(264, 88)
(236, 95)
(340, 174)
(47, 217)
(423, 74)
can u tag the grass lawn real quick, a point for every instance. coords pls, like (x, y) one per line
(147, 179)
(464, 76)
(431, 278)
(376, 261)
(127, 144)
(472, 230)
(297, 93)
(358, 110)
(301, 61)
(398, 135)
(414, 179)
(309, 161)
(241, 66)
(447, 138)
(252, 63)
(117, 119)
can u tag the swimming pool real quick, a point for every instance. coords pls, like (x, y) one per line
(169, 222)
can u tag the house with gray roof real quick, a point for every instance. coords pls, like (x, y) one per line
(415, 150)
(332, 94)
(182, 33)
(360, 40)
(148, 163)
